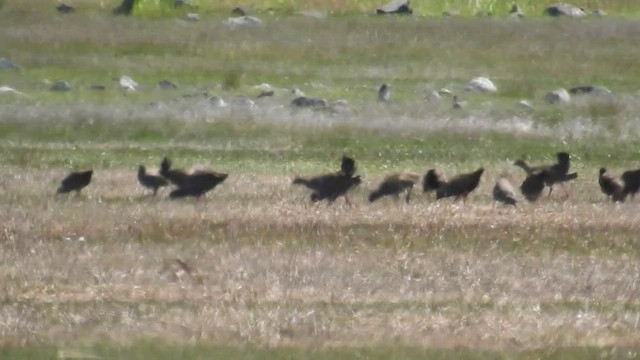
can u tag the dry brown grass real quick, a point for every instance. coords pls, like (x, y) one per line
(269, 268)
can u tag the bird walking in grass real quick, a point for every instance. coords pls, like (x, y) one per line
(557, 173)
(174, 176)
(432, 181)
(75, 181)
(503, 192)
(198, 184)
(459, 186)
(384, 93)
(610, 186)
(533, 185)
(631, 180)
(333, 185)
(395, 185)
(152, 182)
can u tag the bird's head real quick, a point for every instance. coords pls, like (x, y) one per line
(520, 163)
(602, 171)
(563, 157)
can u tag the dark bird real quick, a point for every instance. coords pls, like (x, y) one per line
(198, 183)
(396, 184)
(384, 93)
(457, 103)
(557, 173)
(460, 186)
(152, 182)
(432, 181)
(75, 181)
(533, 185)
(175, 176)
(631, 180)
(65, 9)
(610, 186)
(333, 185)
(503, 192)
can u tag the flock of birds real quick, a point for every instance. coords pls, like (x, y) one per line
(337, 184)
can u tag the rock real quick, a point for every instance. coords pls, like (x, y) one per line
(445, 91)
(192, 17)
(451, 13)
(457, 103)
(243, 102)
(5, 90)
(395, 7)
(384, 93)
(167, 85)
(217, 101)
(598, 91)
(307, 102)
(564, 9)
(297, 92)
(65, 9)
(5, 64)
(599, 13)
(61, 86)
(434, 96)
(97, 87)
(516, 11)
(125, 8)
(243, 21)
(524, 104)
(481, 84)
(127, 83)
(268, 93)
(239, 12)
(558, 96)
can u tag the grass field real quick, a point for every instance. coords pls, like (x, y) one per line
(272, 275)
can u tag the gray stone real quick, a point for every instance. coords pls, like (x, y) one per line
(307, 102)
(395, 7)
(481, 84)
(243, 21)
(558, 96)
(434, 96)
(217, 101)
(127, 83)
(590, 90)
(192, 17)
(6, 90)
(384, 93)
(564, 9)
(61, 86)
(524, 104)
(5, 64)
(167, 85)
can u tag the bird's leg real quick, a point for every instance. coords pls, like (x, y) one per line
(567, 194)
(408, 197)
(550, 190)
(346, 198)
(155, 191)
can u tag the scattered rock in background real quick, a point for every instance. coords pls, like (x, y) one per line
(481, 84)
(217, 101)
(65, 9)
(167, 85)
(61, 86)
(457, 103)
(307, 102)
(599, 13)
(434, 96)
(564, 9)
(384, 93)
(6, 90)
(395, 7)
(558, 96)
(243, 21)
(239, 11)
(524, 104)
(5, 64)
(297, 92)
(192, 17)
(445, 91)
(516, 11)
(127, 83)
(450, 13)
(125, 8)
(97, 87)
(590, 89)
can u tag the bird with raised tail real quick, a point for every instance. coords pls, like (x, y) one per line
(503, 192)
(395, 185)
(331, 186)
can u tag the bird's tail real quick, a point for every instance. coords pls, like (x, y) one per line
(300, 181)
(375, 195)
(165, 165)
(570, 177)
